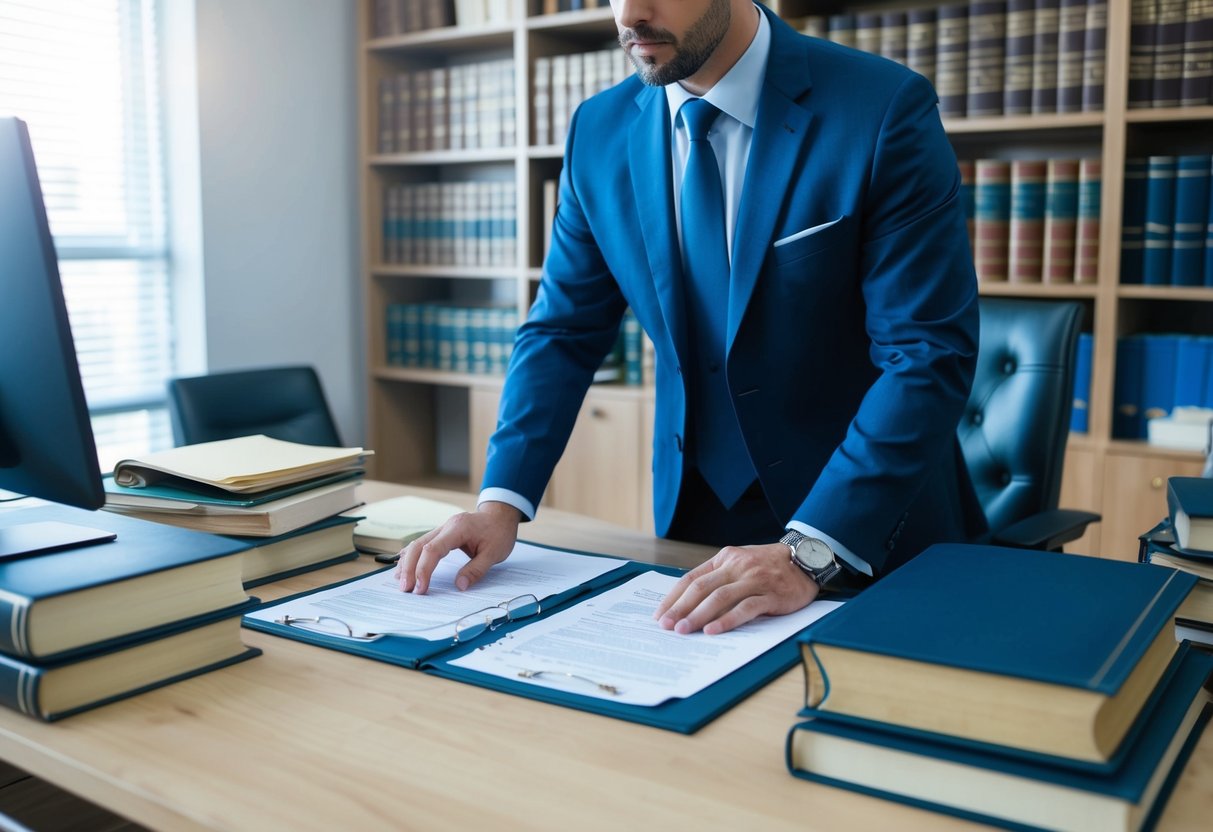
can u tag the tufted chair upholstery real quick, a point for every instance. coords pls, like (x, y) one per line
(280, 402)
(1016, 422)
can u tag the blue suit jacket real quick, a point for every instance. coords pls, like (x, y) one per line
(850, 349)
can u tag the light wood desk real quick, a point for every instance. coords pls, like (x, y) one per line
(304, 738)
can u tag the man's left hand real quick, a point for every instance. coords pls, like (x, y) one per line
(738, 584)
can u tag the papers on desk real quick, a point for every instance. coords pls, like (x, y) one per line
(609, 646)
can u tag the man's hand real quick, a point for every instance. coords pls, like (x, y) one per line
(738, 584)
(487, 535)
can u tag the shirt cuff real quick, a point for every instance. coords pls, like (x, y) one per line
(844, 554)
(511, 498)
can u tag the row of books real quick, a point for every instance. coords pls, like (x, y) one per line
(399, 17)
(1183, 540)
(1034, 220)
(1158, 375)
(1167, 232)
(989, 57)
(1072, 706)
(451, 224)
(631, 362)
(461, 339)
(561, 82)
(466, 106)
(1170, 53)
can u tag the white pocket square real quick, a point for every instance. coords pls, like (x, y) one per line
(799, 234)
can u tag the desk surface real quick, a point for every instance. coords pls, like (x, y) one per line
(304, 738)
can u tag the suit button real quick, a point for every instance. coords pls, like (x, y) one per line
(678, 441)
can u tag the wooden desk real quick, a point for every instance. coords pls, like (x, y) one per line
(304, 738)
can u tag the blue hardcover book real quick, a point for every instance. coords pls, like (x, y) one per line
(1190, 506)
(1209, 238)
(202, 494)
(1192, 174)
(1040, 651)
(1133, 224)
(53, 690)
(1128, 422)
(1158, 377)
(1044, 56)
(1142, 28)
(62, 603)
(1015, 793)
(1160, 220)
(1192, 370)
(1080, 414)
(316, 546)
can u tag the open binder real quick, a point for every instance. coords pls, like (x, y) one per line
(685, 715)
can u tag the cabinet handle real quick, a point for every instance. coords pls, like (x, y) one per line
(597, 413)
(1156, 483)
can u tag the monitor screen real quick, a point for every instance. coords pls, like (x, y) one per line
(46, 440)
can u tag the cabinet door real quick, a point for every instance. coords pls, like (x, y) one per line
(600, 472)
(1081, 489)
(482, 421)
(1135, 497)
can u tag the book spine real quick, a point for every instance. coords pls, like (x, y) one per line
(632, 373)
(815, 26)
(921, 43)
(560, 97)
(894, 43)
(413, 15)
(1191, 370)
(1061, 220)
(404, 113)
(1143, 17)
(1086, 244)
(1133, 223)
(968, 197)
(509, 112)
(1160, 220)
(992, 219)
(20, 687)
(840, 28)
(422, 116)
(456, 106)
(1209, 241)
(1027, 220)
(952, 60)
(1196, 82)
(387, 115)
(987, 56)
(1094, 56)
(1191, 219)
(867, 32)
(1071, 39)
(1080, 414)
(1044, 56)
(1017, 92)
(395, 334)
(1168, 53)
(1127, 422)
(1158, 378)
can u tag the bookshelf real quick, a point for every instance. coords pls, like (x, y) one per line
(428, 426)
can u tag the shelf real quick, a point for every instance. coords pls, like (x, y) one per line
(1002, 124)
(1164, 114)
(438, 378)
(1038, 290)
(586, 19)
(383, 270)
(1197, 293)
(545, 151)
(1140, 447)
(447, 39)
(444, 157)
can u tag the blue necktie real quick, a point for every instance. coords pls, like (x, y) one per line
(719, 450)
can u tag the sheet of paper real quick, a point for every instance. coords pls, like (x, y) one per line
(612, 639)
(376, 604)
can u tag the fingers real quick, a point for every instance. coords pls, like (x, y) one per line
(677, 591)
(486, 537)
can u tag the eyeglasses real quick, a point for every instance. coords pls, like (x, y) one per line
(466, 627)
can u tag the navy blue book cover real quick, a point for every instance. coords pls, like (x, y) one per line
(1158, 376)
(1192, 174)
(1081, 412)
(1128, 422)
(1133, 223)
(1160, 220)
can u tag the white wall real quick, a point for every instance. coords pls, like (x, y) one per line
(277, 126)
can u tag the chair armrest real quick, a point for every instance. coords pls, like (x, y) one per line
(1048, 530)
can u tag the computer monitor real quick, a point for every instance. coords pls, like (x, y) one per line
(47, 448)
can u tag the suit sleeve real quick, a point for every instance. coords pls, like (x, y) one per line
(920, 293)
(571, 327)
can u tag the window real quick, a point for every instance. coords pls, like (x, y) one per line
(83, 75)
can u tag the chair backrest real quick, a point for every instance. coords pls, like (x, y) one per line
(1016, 422)
(280, 402)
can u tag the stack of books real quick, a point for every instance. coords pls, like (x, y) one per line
(96, 623)
(1014, 687)
(282, 501)
(1184, 540)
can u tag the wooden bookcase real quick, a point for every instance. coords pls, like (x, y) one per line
(429, 427)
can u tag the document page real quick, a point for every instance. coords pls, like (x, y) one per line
(609, 646)
(376, 604)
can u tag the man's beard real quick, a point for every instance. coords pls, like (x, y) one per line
(697, 45)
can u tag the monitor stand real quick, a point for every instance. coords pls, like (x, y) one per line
(28, 539)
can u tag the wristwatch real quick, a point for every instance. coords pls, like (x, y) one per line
(813, 557)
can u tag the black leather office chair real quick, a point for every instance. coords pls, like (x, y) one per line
(280, 402)
(1013, 433)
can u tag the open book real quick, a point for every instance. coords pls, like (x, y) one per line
(244, 465)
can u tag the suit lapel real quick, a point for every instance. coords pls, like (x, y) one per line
(652, 177)
(780, 133)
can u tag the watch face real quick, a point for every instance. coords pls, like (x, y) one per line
(814, 553)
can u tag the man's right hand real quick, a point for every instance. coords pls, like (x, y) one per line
(487, 535)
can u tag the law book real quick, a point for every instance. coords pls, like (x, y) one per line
(1168, 53)
(1143, 17)
(981, 785)
(387, 115)
(1192, 181)
(314, 546)
(1071, 44)
(1196, 82)
(1026, 246)
(1094, 56)
(1133, 223)
(921, 41)
(992, 218)
(1086, 232)
(1060, 221)
(1044, 56)
(387, 526)
(840, 28)
(952, 59)
(65, 602)
(1160, 220)
(867, 32)
(968, 195)
(246, 464)
(1158, 375)
(987, 55)
(541, 101)
(951, 643)
(1193, 371)
(1080, 414)
(54, 690)
(1128, 421)
(1190, 506)
(894, 43)
(1017, 73)
(1209, 242)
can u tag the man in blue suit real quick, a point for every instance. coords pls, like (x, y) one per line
(782, 215)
